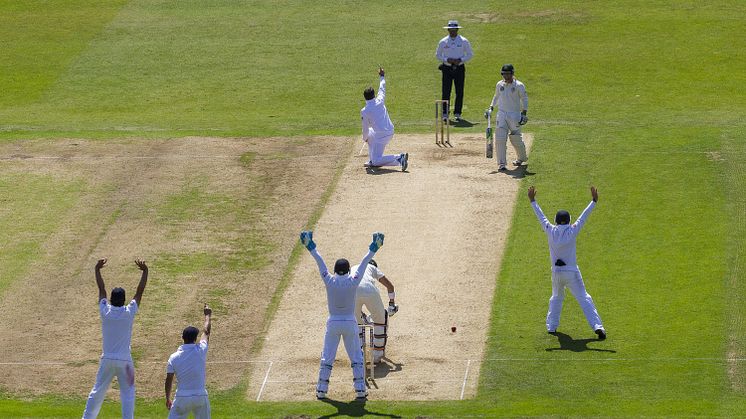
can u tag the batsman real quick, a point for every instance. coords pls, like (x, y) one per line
(512, 105)
(368, 296)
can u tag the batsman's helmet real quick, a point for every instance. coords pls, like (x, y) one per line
(562, 217)
(342, 267)
(117, 297)
(190, 334)
(507, 68)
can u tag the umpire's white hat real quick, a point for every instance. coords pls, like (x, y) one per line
(452, 24)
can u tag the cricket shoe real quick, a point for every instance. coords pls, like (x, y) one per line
(457, 117)
(404, 159)
(601, 334)
(517, 162)
(361, 396)
(320, 395)
(501, 168)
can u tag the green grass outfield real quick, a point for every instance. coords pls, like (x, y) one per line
(643, 99)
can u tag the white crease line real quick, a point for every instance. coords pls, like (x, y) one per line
(404, 380)
(266, 377)
(466, 376)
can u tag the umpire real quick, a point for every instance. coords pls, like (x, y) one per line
(453, 52)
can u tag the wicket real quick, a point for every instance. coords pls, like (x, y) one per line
(441, 119)
(366, 340)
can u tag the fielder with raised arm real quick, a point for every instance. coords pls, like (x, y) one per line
(565, 271)
(340, 294)
(378, 129)
(512, 105)
(116, 358)
(188, 364)
(368, 296)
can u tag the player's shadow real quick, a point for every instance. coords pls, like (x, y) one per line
(377, 171)
(567, 343)
(386, 367)
(353, 409)
(519, 172)
(462, 124)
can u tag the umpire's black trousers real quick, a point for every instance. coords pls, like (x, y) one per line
(455, 75)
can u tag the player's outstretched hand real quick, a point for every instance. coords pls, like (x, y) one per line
(207, 310)
(531, 193)
(377, 242)
(141, 264)
(101, 262)
(594, 193)
(381, 72)
(306, 237)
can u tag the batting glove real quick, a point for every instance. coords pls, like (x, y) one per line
(392, 309)
(524, 120)
(306, 237)
(377, 242)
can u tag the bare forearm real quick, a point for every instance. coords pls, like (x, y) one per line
(386, 283)
(141, 286)
(207, 329)
(169, 382)
(100, 284)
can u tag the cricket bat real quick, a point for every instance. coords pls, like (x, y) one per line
(488, 134)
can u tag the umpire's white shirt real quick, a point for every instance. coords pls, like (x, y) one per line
(562, 238)
(456, 47)
(188, 363)
(116, 329)
(509, 96)
(375, 117)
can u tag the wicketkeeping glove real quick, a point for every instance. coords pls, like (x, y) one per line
(392, 309)
(306, 237)
(524, 120)
(377, 242)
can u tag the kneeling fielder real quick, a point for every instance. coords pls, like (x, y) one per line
(367, 295)
(340, 295)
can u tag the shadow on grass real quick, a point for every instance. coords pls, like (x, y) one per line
(567, 343)
(462, 124)
(519, 172)
(353, 409)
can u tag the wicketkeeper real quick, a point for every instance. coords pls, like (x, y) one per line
(340, 295)
(368, 296)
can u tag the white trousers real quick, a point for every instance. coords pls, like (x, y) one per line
(183, 406)
(507, 123)
(376, 149)
(107, 369)
(574, 281)
(371, 299)
(348, 331)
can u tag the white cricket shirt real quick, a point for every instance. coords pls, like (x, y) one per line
(371, 275)
(188, 363)
(341, 289)
(116, 329)
(456, 47)
(374, 115)
(508, 96)
(562, 238)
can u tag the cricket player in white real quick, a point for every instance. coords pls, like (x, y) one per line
(188, 365)
(368, 296)
(340, 294)
(116, 359)
(512, 104)
(565, 271)
(378, 129)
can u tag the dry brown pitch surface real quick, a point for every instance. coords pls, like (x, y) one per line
(445, 222)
